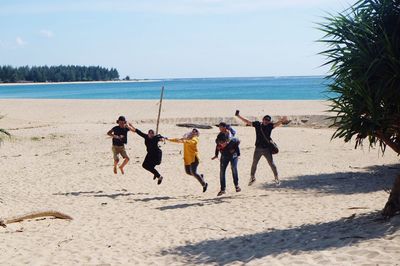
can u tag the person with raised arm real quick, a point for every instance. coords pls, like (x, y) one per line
(263, 137)
(154, 153)
(191, 155)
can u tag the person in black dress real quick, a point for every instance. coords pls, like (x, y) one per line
(154, 153)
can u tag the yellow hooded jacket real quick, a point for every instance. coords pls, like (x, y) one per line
(190, 151)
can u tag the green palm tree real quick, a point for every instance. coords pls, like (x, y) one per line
(364, 55)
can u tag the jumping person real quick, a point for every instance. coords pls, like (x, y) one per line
(119, 136)
(229, 131)
(229, 149)
(154, 153)
(263, 136)
(191, 155)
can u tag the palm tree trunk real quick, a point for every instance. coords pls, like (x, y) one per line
(392, 206)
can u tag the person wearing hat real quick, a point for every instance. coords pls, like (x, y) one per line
(119, 136)
(191, 155)
(263, 138)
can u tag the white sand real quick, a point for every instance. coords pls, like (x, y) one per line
(60, 159)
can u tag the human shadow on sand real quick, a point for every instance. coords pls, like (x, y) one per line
(305, 238)
(78, 193)
(370, 179)
(98, 194)
(200, 203)
(154, 199)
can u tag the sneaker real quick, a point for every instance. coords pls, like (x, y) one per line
(252, 180)
(277, 181)
(159, 180)
(238, 189)
(222, 192)
(154, 177)
(205, 187)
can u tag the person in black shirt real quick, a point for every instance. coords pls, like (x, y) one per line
(154, 153)
(229, 149)
(119, 136)
(263, 136)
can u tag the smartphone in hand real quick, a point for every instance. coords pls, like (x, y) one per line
(237, 112)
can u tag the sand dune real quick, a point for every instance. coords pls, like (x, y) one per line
(326, 210)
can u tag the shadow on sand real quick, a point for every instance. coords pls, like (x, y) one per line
(99, 194)
(196, 204)
(370, 179)
(310, 237)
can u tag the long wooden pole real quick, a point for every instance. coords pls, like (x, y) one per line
(159, 108)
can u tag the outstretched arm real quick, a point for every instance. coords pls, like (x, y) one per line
(282, 121)
(140, 133)
(176, 140)
(131, 127)
(246, 121)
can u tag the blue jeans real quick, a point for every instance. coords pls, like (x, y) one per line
(224, 161)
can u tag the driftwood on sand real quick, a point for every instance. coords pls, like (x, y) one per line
(194, 126)
(34, 215)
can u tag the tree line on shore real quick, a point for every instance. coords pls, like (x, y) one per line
(9, 74)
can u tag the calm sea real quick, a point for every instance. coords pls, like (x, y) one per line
(264, 88)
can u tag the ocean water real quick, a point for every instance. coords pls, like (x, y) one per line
(262, 88)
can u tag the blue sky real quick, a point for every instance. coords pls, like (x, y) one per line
(168, 38)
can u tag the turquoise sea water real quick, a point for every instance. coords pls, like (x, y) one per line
(263, 88)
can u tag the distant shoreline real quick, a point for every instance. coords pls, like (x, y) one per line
(79, 82)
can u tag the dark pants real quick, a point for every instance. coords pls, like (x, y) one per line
(224, 161)
(151, 161)
(258, 152)
(192, 170)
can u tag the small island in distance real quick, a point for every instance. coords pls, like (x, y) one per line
(69, 73)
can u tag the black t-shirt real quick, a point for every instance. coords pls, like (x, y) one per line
(261, 142)
(118, 131)
(151, 143)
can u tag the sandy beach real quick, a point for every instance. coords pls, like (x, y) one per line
(325, 211)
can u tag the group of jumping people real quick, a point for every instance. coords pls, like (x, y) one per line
(227, 145)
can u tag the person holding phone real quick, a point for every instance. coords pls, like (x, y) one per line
(119, 136)
(263, 136)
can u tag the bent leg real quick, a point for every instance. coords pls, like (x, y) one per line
(268, 155)
(193, 171)
(150, 166)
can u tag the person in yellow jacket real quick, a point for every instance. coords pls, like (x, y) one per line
(191, 155)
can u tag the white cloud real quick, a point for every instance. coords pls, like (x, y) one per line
(20, 41)
(46, 33)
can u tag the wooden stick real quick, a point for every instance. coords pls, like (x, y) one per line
(159, 109)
